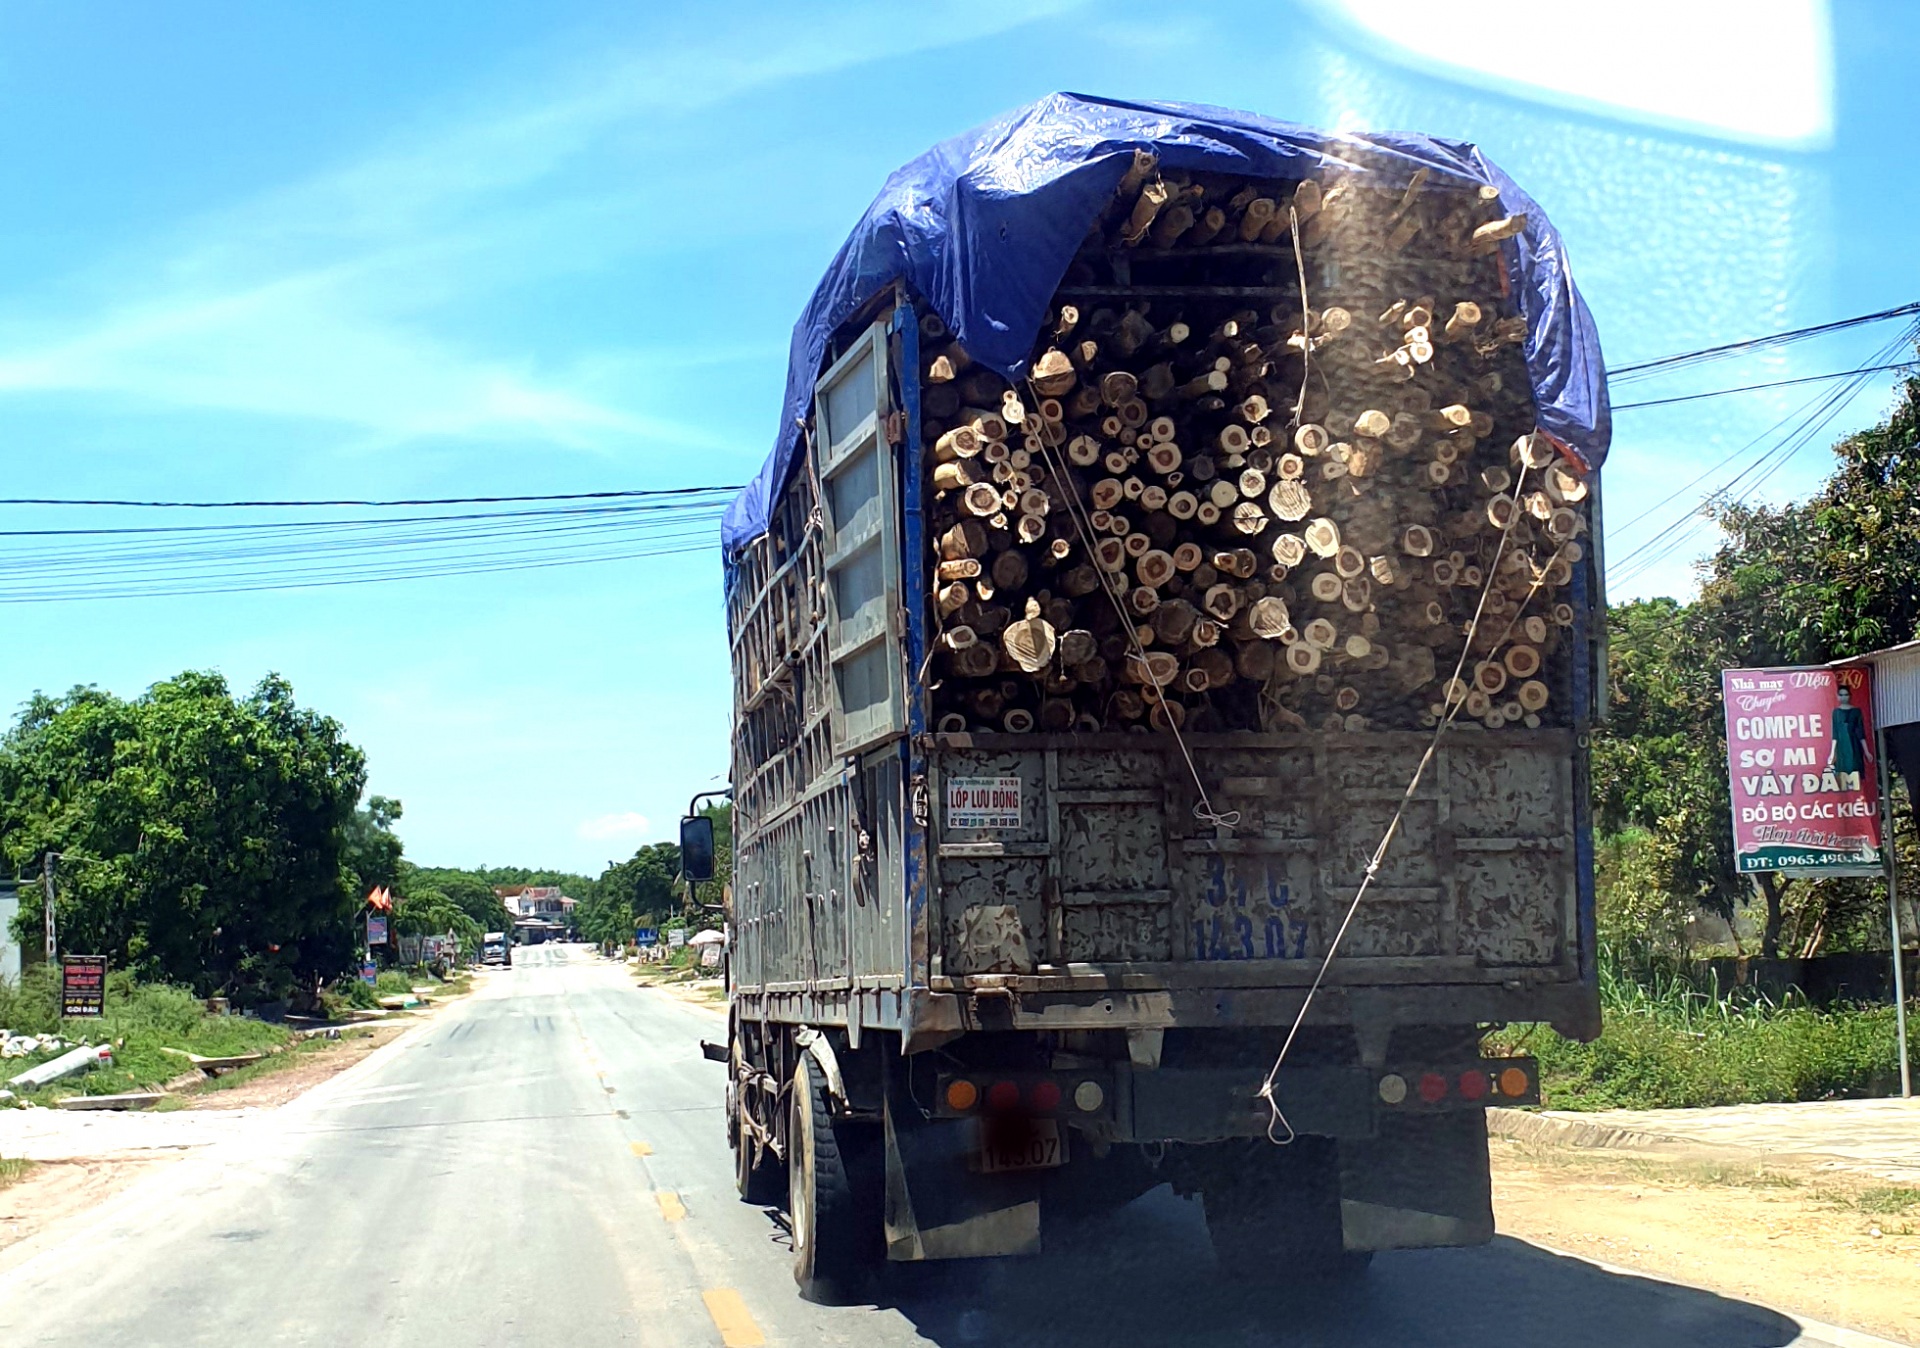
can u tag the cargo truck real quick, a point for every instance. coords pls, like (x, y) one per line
(1021, 936)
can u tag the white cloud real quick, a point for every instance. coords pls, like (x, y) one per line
(621, 824)
(325, 298)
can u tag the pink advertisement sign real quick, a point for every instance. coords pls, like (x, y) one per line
(1801, 758)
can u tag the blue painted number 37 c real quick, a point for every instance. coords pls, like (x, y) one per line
(1237, 930)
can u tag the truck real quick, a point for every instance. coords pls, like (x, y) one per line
(496, 947)
(1165, 641)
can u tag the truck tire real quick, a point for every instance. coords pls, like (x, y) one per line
(1275, 1217)
(835, 1236)
(755, 1174)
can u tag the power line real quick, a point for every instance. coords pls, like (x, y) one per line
(1646, 367)
(1771, 383)
(384, 522)
(264, 584)
(319, 504)
(1813, 416)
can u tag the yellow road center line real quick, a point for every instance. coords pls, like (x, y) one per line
(730, 1316)
(641, 1149)
(671, 1207)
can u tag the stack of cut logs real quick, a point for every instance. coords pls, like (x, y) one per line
(1204, 508)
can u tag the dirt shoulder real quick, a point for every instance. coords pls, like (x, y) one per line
(1836, 1247)
(292, 1072)
(53, 1190)
(709, 994)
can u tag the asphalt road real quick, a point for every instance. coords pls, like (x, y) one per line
(544, 1164)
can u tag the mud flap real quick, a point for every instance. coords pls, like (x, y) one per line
(1420, 1183)
(938, 1206)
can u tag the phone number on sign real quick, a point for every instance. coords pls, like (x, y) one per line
(1805, 859)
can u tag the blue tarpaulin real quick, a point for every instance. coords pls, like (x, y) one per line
(983, 227)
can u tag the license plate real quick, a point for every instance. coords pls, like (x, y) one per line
(1020, 1144)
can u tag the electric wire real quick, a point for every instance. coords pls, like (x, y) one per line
(409, 501)
(1801, 427)
(1646, 368)
(163, 560)
(1771, 383)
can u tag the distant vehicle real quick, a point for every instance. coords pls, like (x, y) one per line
(496, 948)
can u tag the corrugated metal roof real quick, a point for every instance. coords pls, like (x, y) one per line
(1896, 683)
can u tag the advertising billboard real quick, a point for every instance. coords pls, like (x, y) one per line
(83, 985)
(1801, 762)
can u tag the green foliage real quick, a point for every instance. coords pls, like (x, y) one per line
(347, 994)
(428, 912)
(639, 891)
(371, 849)
(1889, 1199)
(205, 837)
(142, 1021)
(1798, 584)
(646, 889)
(1636, 906)
(469, 890)
(1669, 1045)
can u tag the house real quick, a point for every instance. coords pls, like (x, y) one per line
(540, 912)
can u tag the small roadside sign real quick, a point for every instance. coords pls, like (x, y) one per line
(369, 973)
(677, 937)
(646, 936)
(83, 985)
(376, 928)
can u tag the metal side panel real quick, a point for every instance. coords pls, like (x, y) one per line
(860, 504)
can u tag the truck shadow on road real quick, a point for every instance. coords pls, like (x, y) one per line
(1148, 1277)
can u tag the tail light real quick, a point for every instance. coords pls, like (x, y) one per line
(1491, 1081)
(1031, 1093)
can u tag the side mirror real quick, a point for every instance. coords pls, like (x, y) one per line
(696, 847)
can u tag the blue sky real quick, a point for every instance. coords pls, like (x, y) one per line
(437, 249)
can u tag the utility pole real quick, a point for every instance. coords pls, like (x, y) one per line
(46, 881)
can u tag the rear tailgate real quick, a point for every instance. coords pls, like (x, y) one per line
(1077, 860)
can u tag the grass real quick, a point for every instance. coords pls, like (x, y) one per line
(1668, 1045)
(13, 1169)
(1888, 1199)
(141, 1022)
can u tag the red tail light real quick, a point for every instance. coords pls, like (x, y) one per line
(1003, 1095)
(1433, 1087)
(1473, 1085)
(1044, 1097)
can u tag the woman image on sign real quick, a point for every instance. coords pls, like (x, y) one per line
(1848, 756)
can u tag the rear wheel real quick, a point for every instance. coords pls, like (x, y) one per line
(835, 1236)
(756, 1174)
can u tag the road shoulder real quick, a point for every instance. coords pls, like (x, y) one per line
(85, 1159)
(1837, 1246)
